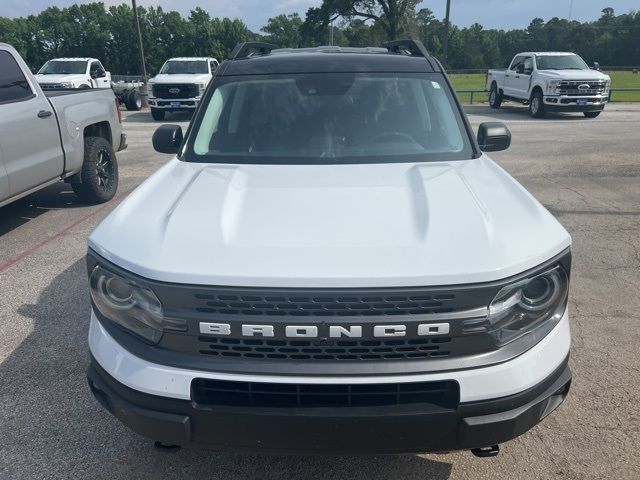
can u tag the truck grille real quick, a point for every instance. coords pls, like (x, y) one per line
(50, 86)
(175, 90)
(572, 87)
(320, 304)
(324, 349)
(208, 392)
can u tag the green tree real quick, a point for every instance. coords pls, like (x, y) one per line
(284, 31)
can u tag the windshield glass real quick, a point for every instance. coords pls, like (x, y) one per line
(560, 62)
(184, 66)
(329, 118)
(53, 67)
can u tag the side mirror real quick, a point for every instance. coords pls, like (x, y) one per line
(493, 136)
(167, 138)
(596, 66)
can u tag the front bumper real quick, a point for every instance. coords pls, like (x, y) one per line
(330, 430)
(569, 103)
(176, 105)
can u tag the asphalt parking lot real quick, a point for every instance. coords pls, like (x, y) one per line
(586, 172)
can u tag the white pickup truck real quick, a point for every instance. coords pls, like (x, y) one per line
(180, 85)
(60, 73)
(69, 135)
(550, 81)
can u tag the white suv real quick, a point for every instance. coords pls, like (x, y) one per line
(330, 264)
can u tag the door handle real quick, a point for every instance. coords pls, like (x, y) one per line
(517, 76)
(44, 113)
(507, 76)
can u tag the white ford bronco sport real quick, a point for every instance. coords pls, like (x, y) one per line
(330, 264)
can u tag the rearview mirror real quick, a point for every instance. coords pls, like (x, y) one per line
(493, 136)
(596, 66)
(167, 138)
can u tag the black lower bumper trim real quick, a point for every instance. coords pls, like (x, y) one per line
(550, 107)
(331, 430)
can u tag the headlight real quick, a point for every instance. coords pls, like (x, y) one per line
(131, 305)
(201, 88)
(67, 85)
(607, 85)
(527, 305)
(553, 87)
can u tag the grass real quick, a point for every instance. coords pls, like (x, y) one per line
(475, 81)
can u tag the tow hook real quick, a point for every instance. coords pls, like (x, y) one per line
(485, 452)
(165, 447)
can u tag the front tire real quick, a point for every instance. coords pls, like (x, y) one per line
(157, 114)
(99, 172)
(591, 114)
(495, 97)
(536, 105)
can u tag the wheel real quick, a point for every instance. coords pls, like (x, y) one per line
(133, 101)
(495, 97)
(99, 174)
(157, 114)
(536, 105)
(591, 114)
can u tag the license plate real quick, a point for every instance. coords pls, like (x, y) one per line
(177, 104)
(582, 101)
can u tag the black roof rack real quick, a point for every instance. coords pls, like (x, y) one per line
(413, 47)
(246, 49)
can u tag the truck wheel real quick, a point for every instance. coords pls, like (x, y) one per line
(157, 114)
(591, 114)
(99, 172)
(495, 97)
(133, 101)
(536, 105)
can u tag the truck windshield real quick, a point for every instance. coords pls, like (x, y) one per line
(70, 67)
(560, 62)
(173, 67)
(329, 118)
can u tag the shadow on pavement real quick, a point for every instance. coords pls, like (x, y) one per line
(59, 195)
(519, 112)
(52, 427)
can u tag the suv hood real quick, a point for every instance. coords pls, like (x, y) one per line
(365, 225)
(59, 78)
(573, 75)
(181, 78)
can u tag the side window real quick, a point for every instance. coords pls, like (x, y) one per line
(528, 65)
(13, 84)
(213, 65)
(94, 69)
(516, 61)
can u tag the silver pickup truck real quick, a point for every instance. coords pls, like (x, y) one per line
(69, 135)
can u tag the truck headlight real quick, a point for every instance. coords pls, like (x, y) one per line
(67, 85)
(201, 88)
(607, 86)
(553, 87)
(131, 305)
(527, 305)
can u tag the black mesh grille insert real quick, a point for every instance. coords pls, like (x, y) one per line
(396, 349)
(439, 395)
(324, 305)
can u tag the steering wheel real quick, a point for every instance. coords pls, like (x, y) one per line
(393, 136)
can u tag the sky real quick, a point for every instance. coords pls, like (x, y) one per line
(504, 14)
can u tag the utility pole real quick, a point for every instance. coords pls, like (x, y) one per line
(445, 40)
(143, 88)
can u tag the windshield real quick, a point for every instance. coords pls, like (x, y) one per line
(173, 67)
(53, 67)
(329, 118)
(560, 62)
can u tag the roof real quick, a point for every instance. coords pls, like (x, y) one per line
(547, 53)
(328, 60)
(191, 58)
(72, 59)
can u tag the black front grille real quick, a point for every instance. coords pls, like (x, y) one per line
(438, 395)
(572, 87)
(175, 90)
(323, 305)
(324, 349)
